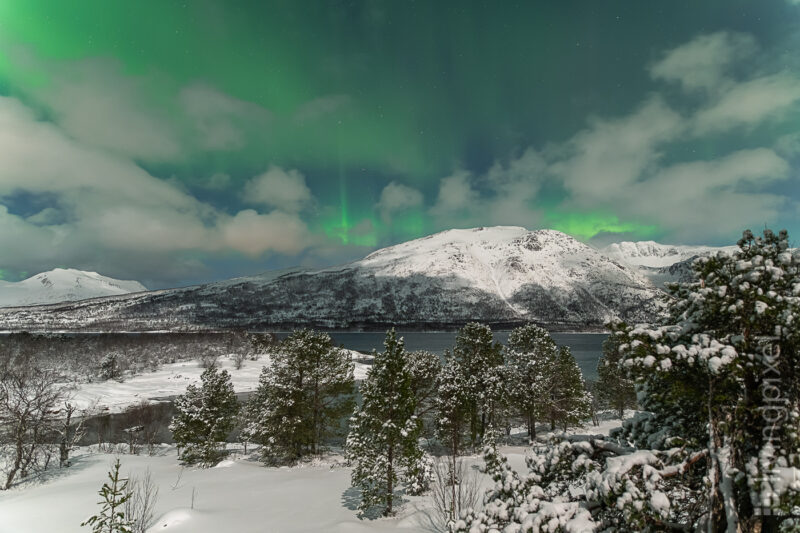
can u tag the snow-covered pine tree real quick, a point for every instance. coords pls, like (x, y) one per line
(301, 397)
(531, 355)
(570, 402)
(614, 387)
(114, 494)
(452, 414)
(481, 359)
(424, 367)
(730, 352)
(204, 418)
(383, 442)
(719, 439)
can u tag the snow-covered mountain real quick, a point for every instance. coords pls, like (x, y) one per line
(501, 275)
(661, 263)
(63, 285)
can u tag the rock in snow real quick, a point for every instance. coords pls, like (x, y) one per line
(500, 275)
(63, 285)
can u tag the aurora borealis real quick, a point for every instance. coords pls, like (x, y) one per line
(175, 143)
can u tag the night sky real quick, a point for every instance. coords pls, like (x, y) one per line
(175, 143)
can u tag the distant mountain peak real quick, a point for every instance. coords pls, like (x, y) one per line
(63, 285)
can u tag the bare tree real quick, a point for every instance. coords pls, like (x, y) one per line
(70, 432)
(29, 399)
(456, 488)
(140, 508)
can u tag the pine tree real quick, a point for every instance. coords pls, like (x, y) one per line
(570, 402)
(614, 388)
(384, 432)
(715, 448)
(531, 355)
(424, 367)
(204, 418)
(114, 494)
(479, 356)
(452, 414)
(301, 397)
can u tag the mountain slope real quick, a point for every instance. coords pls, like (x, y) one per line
(501, 275)
(63, 285)
(661, 263)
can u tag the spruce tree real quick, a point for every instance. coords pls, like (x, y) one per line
(301, 397)
(384, 432)
(114, 494)
(570, 401)
(614, 388)
(479, 357)
(531, 355)
(204, 418)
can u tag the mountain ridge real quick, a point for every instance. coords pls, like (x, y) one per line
(63, 285)
(504, 275)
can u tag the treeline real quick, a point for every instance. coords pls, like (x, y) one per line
(84, 356)
(412, 404)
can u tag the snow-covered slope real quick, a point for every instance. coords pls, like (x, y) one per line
(502, 275)
(63, 285)
(661, 263)
(656, 255)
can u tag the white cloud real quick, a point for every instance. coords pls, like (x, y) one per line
(116, 217)
(254, 233)
(396, 197)
(221, 122)
(703, 62)
(698, 200)
(95, 103)
(612, 153)
(456, 195)
(749, 103)
(278, 188)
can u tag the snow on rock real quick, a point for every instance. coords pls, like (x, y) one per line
(63, 285)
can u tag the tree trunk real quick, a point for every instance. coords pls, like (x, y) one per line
(389, 482)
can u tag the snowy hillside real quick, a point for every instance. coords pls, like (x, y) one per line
(502, 276)
(63, 285)
(661, 263)
(655, 255)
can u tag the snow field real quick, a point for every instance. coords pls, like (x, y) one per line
(237, 496)
(171, 380)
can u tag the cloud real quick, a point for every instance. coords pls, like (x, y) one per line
(221, 121)
(456, 195)
(612, 153)
(286, 190)
(396, 197)
(703, 62)
(108, 214)
(321, 107)
(749, 103)
(636, 167)
(96, 104)
(698, 200)
(254, 233)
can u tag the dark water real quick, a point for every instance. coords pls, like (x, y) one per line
(586, 347)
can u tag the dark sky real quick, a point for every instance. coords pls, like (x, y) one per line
(176, 143)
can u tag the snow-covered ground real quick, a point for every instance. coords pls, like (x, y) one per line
(235, 497)
(238, 496)
(172, 380)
